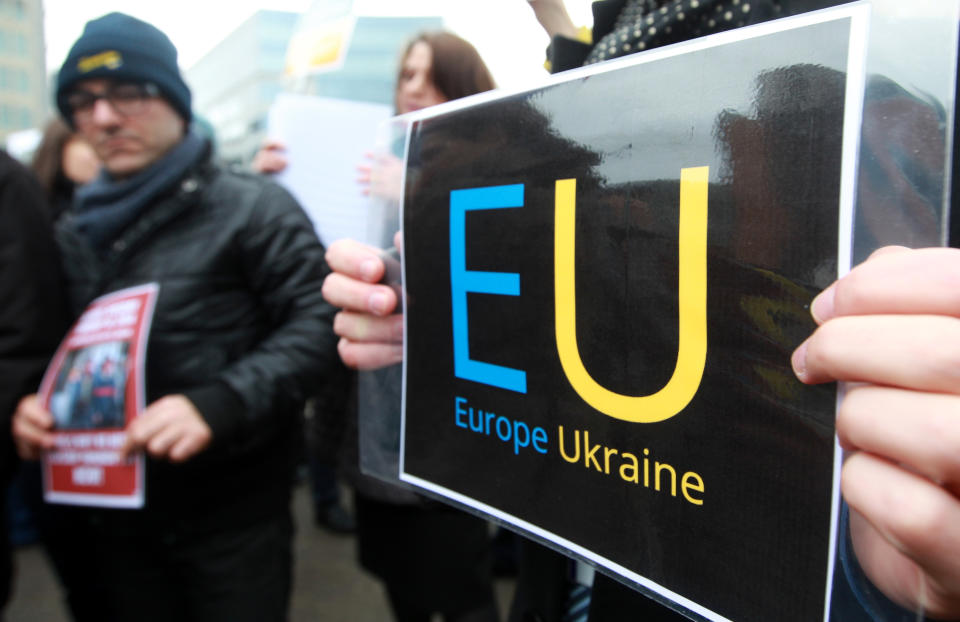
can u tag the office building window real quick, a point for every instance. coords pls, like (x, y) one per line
(13, 8)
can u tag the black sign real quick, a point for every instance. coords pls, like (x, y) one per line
(605, 280)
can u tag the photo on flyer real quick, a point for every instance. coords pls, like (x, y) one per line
(94, 388)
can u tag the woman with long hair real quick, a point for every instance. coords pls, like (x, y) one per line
(431, 557)
(62, 162)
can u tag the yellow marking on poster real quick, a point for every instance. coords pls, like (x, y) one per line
(692, 291)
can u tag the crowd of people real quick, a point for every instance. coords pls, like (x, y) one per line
(254, 317)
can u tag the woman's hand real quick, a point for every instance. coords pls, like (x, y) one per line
(270, 158)
(381, 176)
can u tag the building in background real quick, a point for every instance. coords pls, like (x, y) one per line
(23, 83)
(234, 83)
(338, 54)
(328, 51)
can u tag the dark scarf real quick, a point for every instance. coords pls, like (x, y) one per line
(106, 206)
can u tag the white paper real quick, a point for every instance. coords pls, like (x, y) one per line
(325, 141)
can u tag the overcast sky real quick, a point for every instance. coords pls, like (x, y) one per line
(504, 31)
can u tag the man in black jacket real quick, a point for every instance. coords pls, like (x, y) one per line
(239, 336)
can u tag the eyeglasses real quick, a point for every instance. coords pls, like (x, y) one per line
(126, 98)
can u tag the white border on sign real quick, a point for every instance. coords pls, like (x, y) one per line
(849, 172)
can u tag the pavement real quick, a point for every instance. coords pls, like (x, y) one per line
(328, 583)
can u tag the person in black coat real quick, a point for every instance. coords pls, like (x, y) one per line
(32, 315)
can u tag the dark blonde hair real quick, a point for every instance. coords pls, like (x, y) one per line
(457, 69)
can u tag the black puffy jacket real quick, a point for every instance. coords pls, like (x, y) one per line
(240, 328)
(32, 309)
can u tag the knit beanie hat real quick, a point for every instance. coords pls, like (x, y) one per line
(121, 47)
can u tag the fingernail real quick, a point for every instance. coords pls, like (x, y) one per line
(368, 269)
(822, 306)
(378, 303)
(799, 361)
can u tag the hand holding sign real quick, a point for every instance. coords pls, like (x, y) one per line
(892, 325)
(371, 335)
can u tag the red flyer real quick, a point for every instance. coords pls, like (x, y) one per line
(94, 387)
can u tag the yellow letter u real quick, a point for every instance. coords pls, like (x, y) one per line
(692, 347)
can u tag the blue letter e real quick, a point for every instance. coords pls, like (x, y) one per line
(463, 281)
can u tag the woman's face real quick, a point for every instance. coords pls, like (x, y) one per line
(80, 163)
(415, 88)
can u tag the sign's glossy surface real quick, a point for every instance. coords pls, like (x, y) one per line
(605, 280)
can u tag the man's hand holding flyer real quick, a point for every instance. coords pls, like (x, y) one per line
(94, 388)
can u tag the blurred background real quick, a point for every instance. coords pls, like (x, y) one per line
(237, 55)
